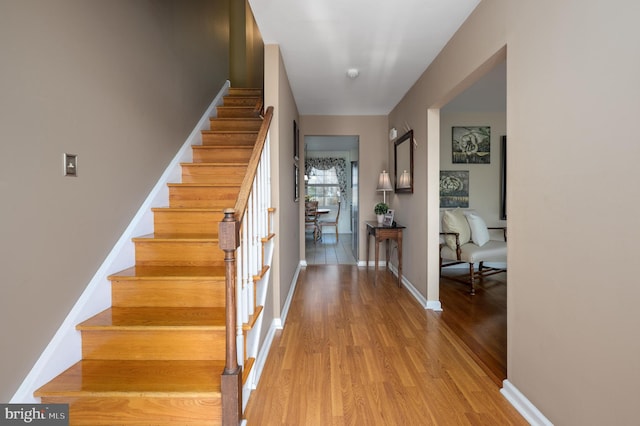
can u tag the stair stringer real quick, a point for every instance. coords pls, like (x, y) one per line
(65, 349)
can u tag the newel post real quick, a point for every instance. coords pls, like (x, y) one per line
(231, 381)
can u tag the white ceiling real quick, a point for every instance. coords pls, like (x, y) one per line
(391, 43)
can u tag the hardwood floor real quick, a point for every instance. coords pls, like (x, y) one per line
(480, 321)
(354, 354)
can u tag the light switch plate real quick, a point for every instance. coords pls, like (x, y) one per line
(70, 165)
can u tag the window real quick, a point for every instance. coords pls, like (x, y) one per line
(323, 186)
(325, 179)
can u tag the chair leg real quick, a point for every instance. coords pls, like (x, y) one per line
(472, 279)
(337, 238)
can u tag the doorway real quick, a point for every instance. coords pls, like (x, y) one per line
(480, 320)
(329, 180)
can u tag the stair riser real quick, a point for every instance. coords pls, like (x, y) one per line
(235, 124)
(241, 101)
(194, 173)
(237, 112)
(203, 197)
(159, 411)
(178, 253)
(229, 138)
(241, 91)
(222, 155)
(186, 222)
(173, 294)
(163, 345)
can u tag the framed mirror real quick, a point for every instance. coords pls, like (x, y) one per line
(403, 163)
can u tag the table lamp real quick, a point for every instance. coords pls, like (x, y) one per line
(384, 185)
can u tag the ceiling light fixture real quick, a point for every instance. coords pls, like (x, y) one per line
(353, 72)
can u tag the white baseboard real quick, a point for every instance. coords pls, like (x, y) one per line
(64, 349)
(372, 263)
(264, 351)
(433, 305)
(287, 302)
(523, 405)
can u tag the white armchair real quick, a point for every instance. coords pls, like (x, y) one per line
(465, 238)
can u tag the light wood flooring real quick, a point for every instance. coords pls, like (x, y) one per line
(356, 354)
(480, 321)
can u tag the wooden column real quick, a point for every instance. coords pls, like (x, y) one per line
(231, 381)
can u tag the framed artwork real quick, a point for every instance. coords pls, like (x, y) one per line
(296, 183)
(454, 188)
(296, 141)
(388, 218)
(503, 177)
(471, 145)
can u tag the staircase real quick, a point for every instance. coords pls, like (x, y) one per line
(156, 356)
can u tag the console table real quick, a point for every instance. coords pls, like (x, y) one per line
(382, 233)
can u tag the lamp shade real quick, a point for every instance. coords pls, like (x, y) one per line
(405, 180)
(384, 183)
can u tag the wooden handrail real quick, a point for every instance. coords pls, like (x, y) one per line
(247, 182)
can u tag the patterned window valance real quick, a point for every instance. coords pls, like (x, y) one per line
(325, 163)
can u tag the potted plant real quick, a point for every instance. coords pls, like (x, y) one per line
(380, 209)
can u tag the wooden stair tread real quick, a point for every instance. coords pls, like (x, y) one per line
(156, 317)
(252, 319)
(137, 378)
(176, 237)
(252, 95)
(245, 91)
(236, 119)
(214, 147)
(215, 164)
(187, 209)
(170, 272)
(251, 110)
(268, 237)
(204, 185)
(248, 366)
(230, 132)
(237, 108)
(261, 273)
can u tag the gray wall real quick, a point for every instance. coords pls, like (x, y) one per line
(484, 179)
(285, 262)
(119, 83)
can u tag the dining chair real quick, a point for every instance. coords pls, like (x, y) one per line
(331, 222)
(311, 218)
